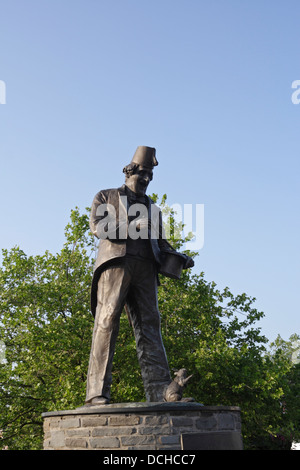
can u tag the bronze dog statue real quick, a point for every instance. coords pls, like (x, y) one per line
(174, 391)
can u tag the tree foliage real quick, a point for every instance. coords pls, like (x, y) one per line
(46, 331)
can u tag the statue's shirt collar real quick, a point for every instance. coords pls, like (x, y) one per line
(133, 197)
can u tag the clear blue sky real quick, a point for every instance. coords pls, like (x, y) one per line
(206, 82)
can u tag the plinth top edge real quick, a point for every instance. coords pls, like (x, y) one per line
(139, 408)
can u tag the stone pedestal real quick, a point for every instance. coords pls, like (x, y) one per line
(140, 426)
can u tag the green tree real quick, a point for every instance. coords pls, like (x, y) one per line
(284, 357)
(46, 330)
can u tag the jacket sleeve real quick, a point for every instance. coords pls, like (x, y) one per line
(95, 217)
(106, 219)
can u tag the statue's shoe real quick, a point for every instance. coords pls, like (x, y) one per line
(98, 401)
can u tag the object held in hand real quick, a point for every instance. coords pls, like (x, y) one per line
(173, 263)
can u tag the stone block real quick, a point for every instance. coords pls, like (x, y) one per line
(207, 423)
(104, 442)
(225, 421)
(57, 439)
(113, 431)
(156, 420)
(82, 432)
(124, 420)
(69, 422)
(156, 430)
(137, 440)
(93, 421)
(169, 440)
(182, 421)
(77, 442)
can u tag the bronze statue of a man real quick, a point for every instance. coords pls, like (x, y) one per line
(131, 253)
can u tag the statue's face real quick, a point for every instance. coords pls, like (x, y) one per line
(139, 181)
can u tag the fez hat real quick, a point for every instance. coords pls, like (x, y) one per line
(145, 156)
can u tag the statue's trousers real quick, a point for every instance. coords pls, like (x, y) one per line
(134, 282)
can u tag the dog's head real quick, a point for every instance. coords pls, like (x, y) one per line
(181, 377)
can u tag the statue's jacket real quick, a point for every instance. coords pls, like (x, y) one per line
(109, 221)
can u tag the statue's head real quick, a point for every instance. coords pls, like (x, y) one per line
(139, 172)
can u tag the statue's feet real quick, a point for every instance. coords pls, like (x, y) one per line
(98, 401)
